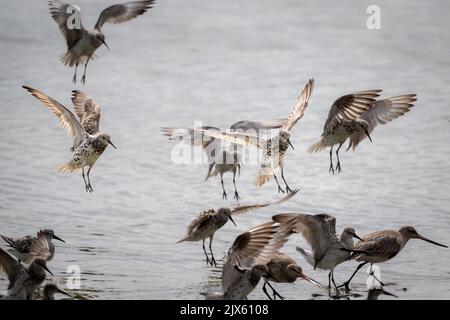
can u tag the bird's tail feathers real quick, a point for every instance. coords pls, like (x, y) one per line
(318, 146)
(264, 175)
(69, 167)
(70, 59)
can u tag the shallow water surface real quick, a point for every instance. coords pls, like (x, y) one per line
(219, 62)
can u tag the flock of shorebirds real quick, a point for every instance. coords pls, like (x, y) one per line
(254, 254)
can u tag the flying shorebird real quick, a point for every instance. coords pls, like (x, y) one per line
(25, 279)
(274, 148)
(49, 291)
(248, 257)
(382, 246)
(283, 269)
(220, 159)
(208, 222)
(82, 43)
(21, 246)
(355, 116)
(320, 232)
(87, 148)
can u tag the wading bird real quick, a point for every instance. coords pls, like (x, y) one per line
(382, 246)
(87, 148)
(208, 222)
(82, 43)
(273, 148)
(355, 116)
(326, 246)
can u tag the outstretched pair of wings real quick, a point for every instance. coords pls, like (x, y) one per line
(246, 208)
(256, 246)
(204, 217)
(318, 230)
(363, 105)
(196, 136)
(12, 267)
(84, 107)
(247, 139)
(382, 112)
(118, 13)
(349, 108)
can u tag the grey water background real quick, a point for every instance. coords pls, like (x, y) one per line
(219, 62)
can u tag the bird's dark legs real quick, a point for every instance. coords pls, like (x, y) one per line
(83, 80)
(279, 187)
(213, 261)
(206, 254)
(346, 283)
(329, 280)
(236, 194)
(86, 185)
(224, 194)
(265, 290)
(90, 189)
(288, 190)
(338, 166)
(375, 277)
(331, 161)
(274, 292)
(334, 283)
(74, 79)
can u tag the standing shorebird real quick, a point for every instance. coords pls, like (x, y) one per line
(327, 247)
(82, 43)
(50, 289)
(382, 246)
(208, 222)
(355, 116)
(220, 160)
(24, 279)
(87, 148)
(21, 246)
(283, 269)
(248, 257)
(274, 148)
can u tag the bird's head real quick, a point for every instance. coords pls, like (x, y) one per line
(362, 125)
(226, 212)
(409, 232)
(101, 38)
(50, 234)
(297, 271)
(42, 263)
(51, 288)
(106, 138)
(285, 135)
(350, 233)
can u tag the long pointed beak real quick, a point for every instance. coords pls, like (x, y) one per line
(431, 241)
(368, 135)
(311, 280)
(104, 42)
(63, 292)
(45, 267)
(58, 238)
(112, 144)
(289, 141)
(231, 219)
(357, 237)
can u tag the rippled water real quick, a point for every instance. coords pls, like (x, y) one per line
(219, 62)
